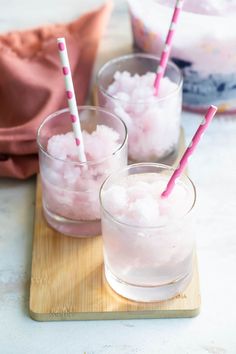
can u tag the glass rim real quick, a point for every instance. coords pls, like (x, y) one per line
(145, 164)
(191, 13)
(88, 162)
(138, 55)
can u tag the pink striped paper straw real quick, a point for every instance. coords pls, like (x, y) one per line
(71, 99)
(168, 44)
(190, 149)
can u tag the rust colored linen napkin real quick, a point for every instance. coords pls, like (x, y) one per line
(32, 86)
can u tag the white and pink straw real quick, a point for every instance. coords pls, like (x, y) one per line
(190, 149)
(71, 99)
(168, 44)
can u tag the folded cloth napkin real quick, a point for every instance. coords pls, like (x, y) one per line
(31, 83)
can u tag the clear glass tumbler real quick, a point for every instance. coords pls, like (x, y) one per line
(70, 190)
(153, 123)
(147, 257)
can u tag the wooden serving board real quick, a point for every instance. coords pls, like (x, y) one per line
(67, 281)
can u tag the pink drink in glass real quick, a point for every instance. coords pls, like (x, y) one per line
(71, 188)
(148, 241)
(126, 87)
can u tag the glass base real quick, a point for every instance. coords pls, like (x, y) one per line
(168, 159)
(71, 227)
(147, 293)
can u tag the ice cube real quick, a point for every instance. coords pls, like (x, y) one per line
(143, 212)
(115, 199)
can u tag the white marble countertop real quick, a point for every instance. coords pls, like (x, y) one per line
(213, 169)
